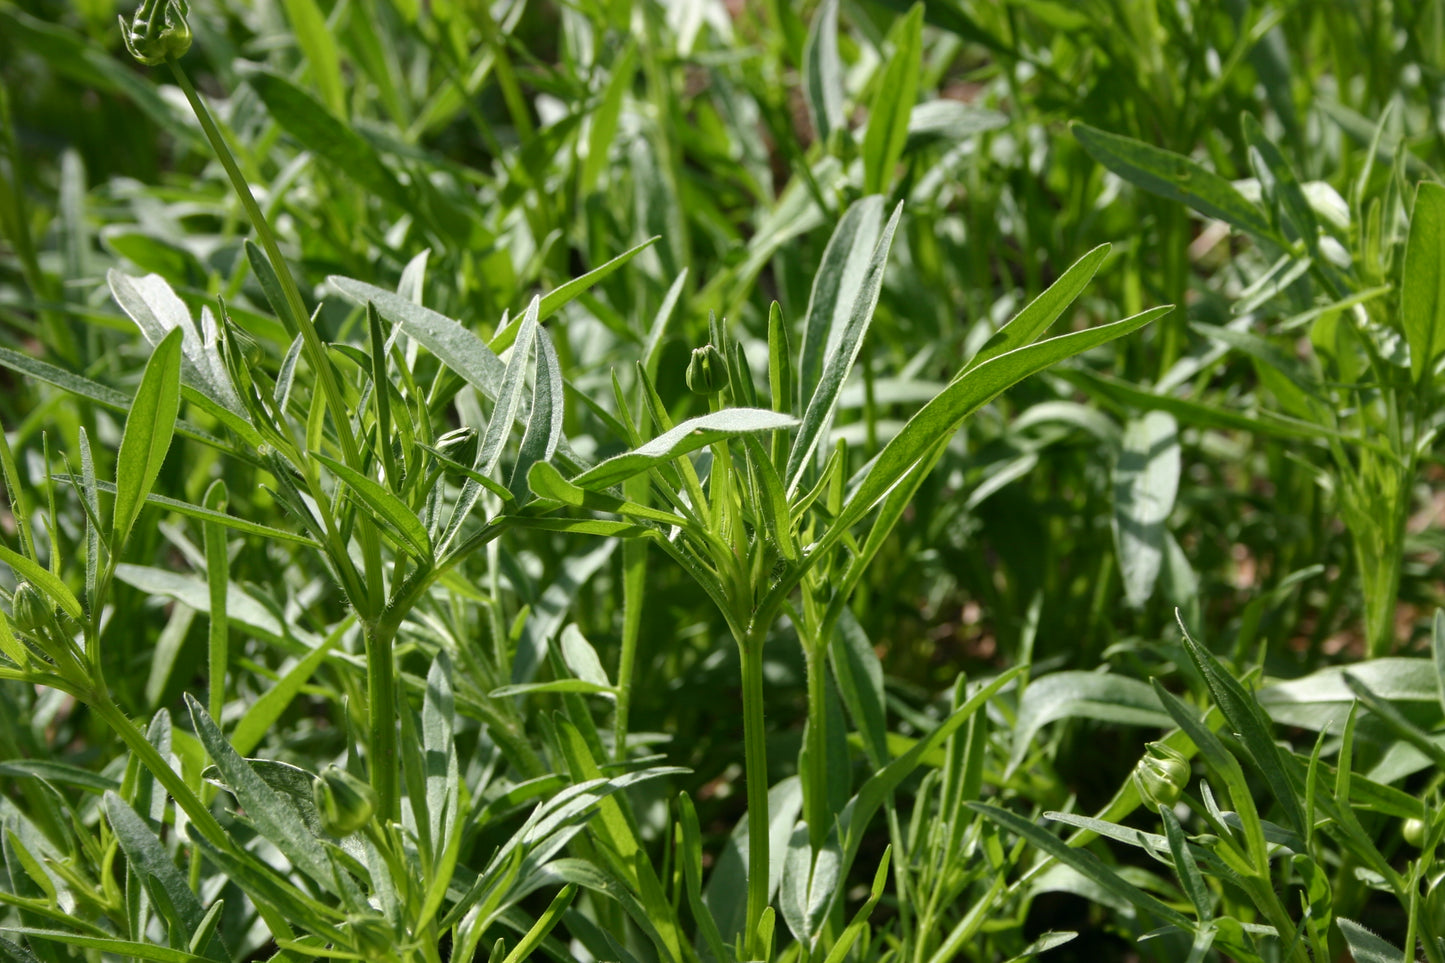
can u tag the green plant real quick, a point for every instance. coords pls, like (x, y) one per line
(383, 586)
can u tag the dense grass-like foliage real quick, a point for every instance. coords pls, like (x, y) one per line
(698, 481)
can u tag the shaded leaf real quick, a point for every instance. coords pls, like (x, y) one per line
(1174, 177)
(1422, 287)
(1146, 480)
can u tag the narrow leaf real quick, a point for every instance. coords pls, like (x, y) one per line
(839, 362)
(148, 430)
(319, 130)
(689, 436)
(1174, 177)
(1083, 862)
(42, 579)
(1422, 288)
(835, 289)
(1026, 326)
(382, 503)
(938, 419)
(823, 72)
(892, 103)
(276, 820)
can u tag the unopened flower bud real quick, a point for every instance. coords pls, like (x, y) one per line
(157, 33)
(707, 372)
(32, 611)
(344, 802)
(1414, 832)
(1161, 775)
(460, 445)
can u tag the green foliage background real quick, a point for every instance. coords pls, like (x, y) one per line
(1260, 464)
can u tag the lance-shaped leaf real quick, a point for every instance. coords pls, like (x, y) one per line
(1175, 177)
(839, 362)
(547, 482)
(42, 578)
(1366, 947)
(162, 880)
(274, 818)
(559, 297)
(835, 288)
(1026, 326)
(544, 421)
(1248, 721)
(938, 419)
(1082, 861)
(892, 103)
(156, 310)
(318, 130)
(201, 513)
(689, 436)
(454, 346)
(499, 426)
(509, 396)
(823, 72)
(379, 502)
(1422, 289)
(148, 430)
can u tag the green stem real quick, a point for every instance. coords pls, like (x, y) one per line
(815, 747)
(381, 715)
(634, 587)
(755, 774)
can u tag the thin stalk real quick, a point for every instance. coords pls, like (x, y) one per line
(634, 588)
(381, 716)
(217, 578)
(755, 774)
(815, 746)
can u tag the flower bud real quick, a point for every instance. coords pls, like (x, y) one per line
(1414, 832)
(460, 445)
(1161, 775)
(32, 611)
(707, 372)
(157, 34)
(344, 802)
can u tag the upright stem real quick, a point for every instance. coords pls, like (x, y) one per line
(634, 587)
(815, 774)
(755, 773)
(381, 715)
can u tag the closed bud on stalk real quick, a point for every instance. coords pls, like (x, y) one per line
(1414, 832)
(460, 445)
(344, 802)
(33, 611)
(1161, 775)
(157, 33)
(707, 372)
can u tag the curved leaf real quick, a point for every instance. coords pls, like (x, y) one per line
(689, 436)
(1083, 695)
